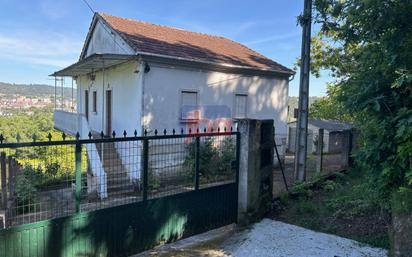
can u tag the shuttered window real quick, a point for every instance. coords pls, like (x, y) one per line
(240, 106)
(188, 105)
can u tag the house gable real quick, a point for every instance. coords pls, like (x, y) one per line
(102, 39)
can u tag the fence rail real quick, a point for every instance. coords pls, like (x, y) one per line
(49, 179)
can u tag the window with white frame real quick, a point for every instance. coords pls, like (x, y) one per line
(240, 106)
(188, 105)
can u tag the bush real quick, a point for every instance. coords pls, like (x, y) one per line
(215, 161)
(26, 184)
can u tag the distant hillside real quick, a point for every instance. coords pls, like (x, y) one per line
(33, 90)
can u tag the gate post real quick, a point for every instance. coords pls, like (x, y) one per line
(255, 169)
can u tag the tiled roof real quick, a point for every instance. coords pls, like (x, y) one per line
(173, 42)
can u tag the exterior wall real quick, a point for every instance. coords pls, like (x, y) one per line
(104, 40)
(313, 133)
(126, 88)
(335, 142)
(267, 96)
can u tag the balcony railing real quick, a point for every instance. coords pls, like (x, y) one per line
(67, 122)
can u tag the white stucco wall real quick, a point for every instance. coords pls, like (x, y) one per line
(267, 96)
(104, 40)
(126, 89)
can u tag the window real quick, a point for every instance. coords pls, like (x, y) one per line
(94, 101)
(188, 107)
(240, 106)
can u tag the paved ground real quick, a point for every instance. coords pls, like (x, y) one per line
(268, 238)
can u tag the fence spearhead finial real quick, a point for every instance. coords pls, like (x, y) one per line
(231, 128)
(218, 129)
(49, 136)
(197, 130)
(181, 131)
(190, 130)
(155, 132)
(164, 132)
(124, 133)
(101, 134)
(174, 131)
(90, 135)
(34, 137)
(114, 134)
(211, 129)
(204, 130)
(135, 133)
(77, 136)
(145, 132)
(18, 137)
(224, 129)
(1, 138)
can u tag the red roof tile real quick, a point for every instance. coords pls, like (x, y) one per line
(162, 40)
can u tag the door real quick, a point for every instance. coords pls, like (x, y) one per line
(86, 104)
(108, 112)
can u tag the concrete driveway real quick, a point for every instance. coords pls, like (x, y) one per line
(267, 238)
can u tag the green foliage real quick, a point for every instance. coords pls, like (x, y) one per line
(330, 185)
(360, 200)
(329, 108)
(214, 160)
(25, 187)
(402, 201)
(306, 207)
(367, 47)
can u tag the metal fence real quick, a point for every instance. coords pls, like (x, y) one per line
(326, 152)
(45, 180)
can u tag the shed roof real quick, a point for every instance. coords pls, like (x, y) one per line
(172, 42)
(329, 125)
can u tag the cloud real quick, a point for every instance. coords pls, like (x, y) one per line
(274, 38)
(40, 48)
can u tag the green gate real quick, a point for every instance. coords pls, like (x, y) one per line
(188, 184)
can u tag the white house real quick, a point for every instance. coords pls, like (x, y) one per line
(133, 75)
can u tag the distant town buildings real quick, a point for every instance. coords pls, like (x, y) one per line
(10, 103)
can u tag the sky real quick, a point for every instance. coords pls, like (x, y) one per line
(38, 37)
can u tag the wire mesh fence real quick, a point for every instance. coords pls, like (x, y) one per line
(45, 180)
(327, 151)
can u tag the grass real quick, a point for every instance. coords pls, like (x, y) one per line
(347, 206)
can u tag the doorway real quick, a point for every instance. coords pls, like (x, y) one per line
(109, 112)
(86, 104)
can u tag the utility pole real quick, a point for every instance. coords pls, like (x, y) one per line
(302, 122)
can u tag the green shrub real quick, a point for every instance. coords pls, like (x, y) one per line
(306, 207)
(214, 162)
(330, 185)
(402, 201)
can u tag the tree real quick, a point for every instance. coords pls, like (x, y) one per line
(329, 107)
(367, 46)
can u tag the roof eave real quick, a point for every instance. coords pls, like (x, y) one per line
(167, 59)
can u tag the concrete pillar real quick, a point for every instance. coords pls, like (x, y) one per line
(255, 169)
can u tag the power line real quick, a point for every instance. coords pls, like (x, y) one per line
(88, 5)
